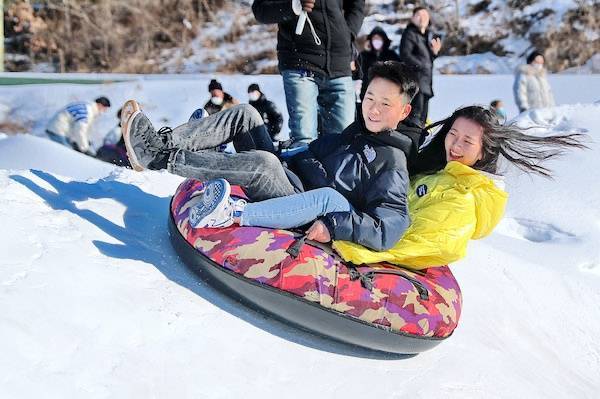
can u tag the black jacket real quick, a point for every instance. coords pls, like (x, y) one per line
(415, 49)
(368, 57)
(336, 22)
(370, 170)
(270, 114)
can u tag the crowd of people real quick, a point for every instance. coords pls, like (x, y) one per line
(360, 177)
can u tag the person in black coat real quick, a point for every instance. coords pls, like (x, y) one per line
(418, 49)
(379, 50)
(315, 65)
(267, 109)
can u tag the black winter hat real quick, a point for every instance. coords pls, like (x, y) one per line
(253, 87)
(214, 85)
(532, 56)
(103, 101)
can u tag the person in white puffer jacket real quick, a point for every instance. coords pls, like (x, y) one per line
(531, 87)
(70, 126)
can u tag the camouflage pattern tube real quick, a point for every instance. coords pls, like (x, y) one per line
(423, 305)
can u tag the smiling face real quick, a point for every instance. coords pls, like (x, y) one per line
(464, 142)
(384, 105)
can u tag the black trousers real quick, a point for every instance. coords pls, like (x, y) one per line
(420, 107)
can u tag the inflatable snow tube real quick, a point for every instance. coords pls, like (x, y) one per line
(378, 306)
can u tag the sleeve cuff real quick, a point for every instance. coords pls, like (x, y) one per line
(329, 223)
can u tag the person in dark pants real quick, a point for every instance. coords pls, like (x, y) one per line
(267, 109)
(315, 64)
(417, 48)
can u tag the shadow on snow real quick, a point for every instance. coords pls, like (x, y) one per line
(144, 237)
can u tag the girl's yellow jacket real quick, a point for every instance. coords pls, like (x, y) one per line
(447, 209)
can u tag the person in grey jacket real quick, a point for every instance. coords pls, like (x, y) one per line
(531, 88)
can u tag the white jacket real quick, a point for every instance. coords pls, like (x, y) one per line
(73, 122)
(531, 88)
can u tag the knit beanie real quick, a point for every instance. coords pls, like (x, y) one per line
(213, 85)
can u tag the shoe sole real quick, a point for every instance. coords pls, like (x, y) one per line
(129, 111)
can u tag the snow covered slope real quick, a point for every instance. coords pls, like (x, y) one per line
(94, 302)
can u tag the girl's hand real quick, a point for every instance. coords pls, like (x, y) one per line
(318, 232)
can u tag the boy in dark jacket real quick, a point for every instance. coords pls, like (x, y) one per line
(356, 181)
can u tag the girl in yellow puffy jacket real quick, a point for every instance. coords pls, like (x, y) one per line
(455, 194)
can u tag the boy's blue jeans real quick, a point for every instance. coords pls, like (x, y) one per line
(309, 96)
(294, 210)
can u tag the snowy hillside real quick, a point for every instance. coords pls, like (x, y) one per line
(482, 36)
(95, 303)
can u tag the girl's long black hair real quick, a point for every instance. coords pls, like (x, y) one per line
(525, 151)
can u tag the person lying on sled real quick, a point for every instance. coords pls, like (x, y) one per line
(352, 186)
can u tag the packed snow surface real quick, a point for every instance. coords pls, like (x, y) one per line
(95, 303)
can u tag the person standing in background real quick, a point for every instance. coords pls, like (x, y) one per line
(315, 64)
(531, 88)
(418, 49)
(219, 100)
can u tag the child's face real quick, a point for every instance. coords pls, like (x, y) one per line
(464, 142)
(384, 106)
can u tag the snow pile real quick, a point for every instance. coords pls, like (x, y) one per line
(95, 303)
(485, 63)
